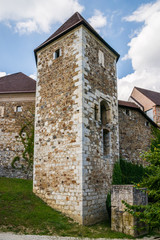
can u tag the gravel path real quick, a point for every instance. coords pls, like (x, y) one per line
(12, 236)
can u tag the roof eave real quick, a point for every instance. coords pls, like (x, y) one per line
(70, 29)
(18, 92)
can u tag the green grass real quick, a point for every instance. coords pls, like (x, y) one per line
(21, 211)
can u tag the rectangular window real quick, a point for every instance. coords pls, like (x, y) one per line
(128, 112)
(18, 109)
(57, 53)
(147, 124)
(1, 111)
(101, 58)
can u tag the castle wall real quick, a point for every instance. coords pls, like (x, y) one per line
(58, 126)
(134, 134)
(156, 115)
(100, 84)
(11, 123)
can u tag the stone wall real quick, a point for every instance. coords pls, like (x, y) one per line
(58, 126)
(71, 172)
(134, 134)
(122, 221)
(11, 123)
(156, 114)
(100, 85)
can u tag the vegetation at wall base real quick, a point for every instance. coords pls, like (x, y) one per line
(124, 173)
(21, 211)
(150, 214)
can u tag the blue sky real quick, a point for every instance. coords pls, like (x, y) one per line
(132, 28)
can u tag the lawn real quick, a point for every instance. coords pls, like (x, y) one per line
(21, 211)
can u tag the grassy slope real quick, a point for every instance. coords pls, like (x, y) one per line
(21, 211)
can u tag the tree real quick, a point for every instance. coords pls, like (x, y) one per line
(150, 214)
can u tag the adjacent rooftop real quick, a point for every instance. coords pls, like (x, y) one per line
(17, 83)
(152, 95)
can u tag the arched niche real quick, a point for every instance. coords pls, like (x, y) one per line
(105, 112)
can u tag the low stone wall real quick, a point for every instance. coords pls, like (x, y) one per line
(10, 172)
(122, 221)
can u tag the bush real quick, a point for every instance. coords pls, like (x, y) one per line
(117, 174)
(127, 173)
(131, 173)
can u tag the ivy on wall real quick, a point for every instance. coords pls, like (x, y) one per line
(26, 137)
(127, 173)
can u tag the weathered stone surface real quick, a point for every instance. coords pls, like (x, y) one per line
(71, 172)
(11, 123)
(134, 134)
(122, 221)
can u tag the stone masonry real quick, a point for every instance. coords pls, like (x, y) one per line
(11, 123)
(74, 148)
(123, 221)
(135, 133)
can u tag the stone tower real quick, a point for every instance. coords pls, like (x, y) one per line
(76, 123)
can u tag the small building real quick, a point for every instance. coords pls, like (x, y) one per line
(135, 131)
(17, 103)
(148, 101)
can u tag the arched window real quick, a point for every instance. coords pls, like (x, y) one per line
(105, 112)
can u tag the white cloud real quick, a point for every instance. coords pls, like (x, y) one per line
(34, 76)
(98, 20)
(144, 50)
(2, 74)
(28, 16)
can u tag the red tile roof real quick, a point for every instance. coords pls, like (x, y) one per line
(17, 83)
(74, 21)
(152, 95)
(127, 104)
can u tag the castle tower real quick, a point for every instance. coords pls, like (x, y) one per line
(76, 123)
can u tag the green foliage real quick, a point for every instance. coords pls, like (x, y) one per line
(131, 173)
(26, 137)
(15, 159)
(117, 174)
(22, 211)
(150, 214)
(127, 173)
(108, 205)
(155, 141)
(151, 179)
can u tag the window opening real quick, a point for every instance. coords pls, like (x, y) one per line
(101, 58)
(18, 109)
(1, 111)
(106, 142)
(57, 53)
(128, 112)
(105, 112)
(147, 124)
